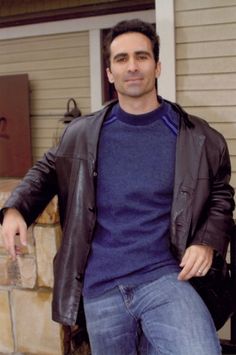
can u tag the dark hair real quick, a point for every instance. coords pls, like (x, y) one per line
(134, 25)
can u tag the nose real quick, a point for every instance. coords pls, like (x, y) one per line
(132, 65)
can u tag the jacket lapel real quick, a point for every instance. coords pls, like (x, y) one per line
(93, 128)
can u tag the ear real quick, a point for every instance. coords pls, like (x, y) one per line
(158, 69)
(109, 76)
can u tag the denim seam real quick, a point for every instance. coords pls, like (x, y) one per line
(120, 287)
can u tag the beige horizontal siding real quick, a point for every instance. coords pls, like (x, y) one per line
(58, 69)
(207, 81)
(53, 93)
(226, 31)
(65, 83)
(206, 16)
(214, 114)
(232, 148)
(44, 55)
(61, 74)
(233, 179)
(207, 98)
(201, 4)
(233, 162)
(57, 106)
(206, 49)
(206, 64)
(46, 42)
(56, 63)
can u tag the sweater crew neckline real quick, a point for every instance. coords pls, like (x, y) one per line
(142, 119)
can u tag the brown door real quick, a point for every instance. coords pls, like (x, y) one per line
(15, 137)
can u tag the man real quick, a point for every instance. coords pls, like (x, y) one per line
(145, 204)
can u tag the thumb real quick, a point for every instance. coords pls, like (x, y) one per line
(184, 259)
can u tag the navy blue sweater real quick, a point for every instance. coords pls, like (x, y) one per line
(136, 159)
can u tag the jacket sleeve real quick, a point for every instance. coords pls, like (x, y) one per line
(217, 226)
(36, 189)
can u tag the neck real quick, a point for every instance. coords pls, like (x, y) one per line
(138, 106)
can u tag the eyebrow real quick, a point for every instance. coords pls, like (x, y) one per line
(125, 54)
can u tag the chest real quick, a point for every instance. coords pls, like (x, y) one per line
(138, 159)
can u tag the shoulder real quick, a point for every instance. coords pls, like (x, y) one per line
(80, 125)
(201, 126)
(194, 123)
(215, 142)
(82, 131)
(85, 120)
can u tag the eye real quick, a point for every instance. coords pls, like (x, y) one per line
(120, 59)
(142, 57)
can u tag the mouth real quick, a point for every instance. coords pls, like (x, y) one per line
(133, 80)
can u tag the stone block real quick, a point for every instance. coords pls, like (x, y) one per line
(6, 186)
(50, 214)
(9, 272)
(19, 273)
(27, 271)
(47, 241)
(4, 280)
(6, 332)
(35, 332)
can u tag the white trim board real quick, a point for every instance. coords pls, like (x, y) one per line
(165, 21)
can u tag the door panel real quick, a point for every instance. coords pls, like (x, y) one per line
(15, 136)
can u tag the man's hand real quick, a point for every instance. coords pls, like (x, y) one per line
(196, 261)
(13, 224)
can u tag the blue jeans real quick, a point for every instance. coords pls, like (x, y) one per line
(162, 317)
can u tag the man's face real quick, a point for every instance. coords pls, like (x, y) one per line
(133, 69)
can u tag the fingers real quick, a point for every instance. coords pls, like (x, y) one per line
(196, 262)
(13, 228)
(198, 268)
(23, 232)
(9, 243)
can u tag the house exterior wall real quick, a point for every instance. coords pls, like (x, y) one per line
(206, 64)
(63, 60)
(58, 69)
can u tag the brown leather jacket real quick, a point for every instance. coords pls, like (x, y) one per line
(202, 202)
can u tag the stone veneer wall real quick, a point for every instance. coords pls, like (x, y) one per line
(26, 287)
